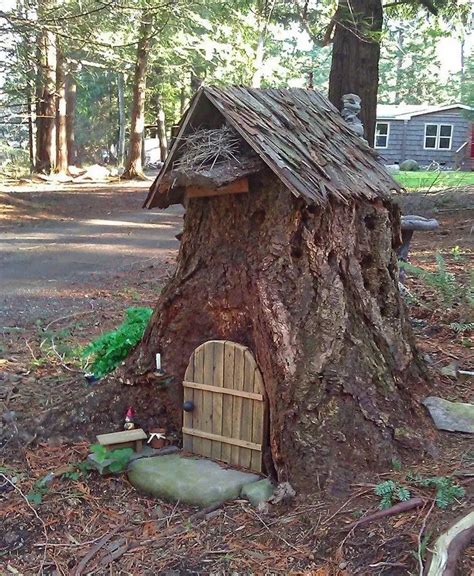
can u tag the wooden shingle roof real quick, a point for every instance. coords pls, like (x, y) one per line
(299, 135)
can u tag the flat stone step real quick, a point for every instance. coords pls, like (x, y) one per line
(195, 481)
(451, 416)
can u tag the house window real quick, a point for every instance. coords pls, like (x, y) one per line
(438, 136)
(382, 130)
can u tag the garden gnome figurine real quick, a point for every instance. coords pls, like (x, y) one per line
(350, 113)
(129, 424)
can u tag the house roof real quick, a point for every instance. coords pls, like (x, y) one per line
(407, 111)
(298, 134)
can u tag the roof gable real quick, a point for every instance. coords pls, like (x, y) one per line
(406, 112)
(298, 134)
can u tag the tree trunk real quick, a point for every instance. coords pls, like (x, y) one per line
(61, 122)
(183, 101)
(161, 129)
(71, 94)
(46, 127)
(398, 77)
(31, 128)
(313, 292)
(196, 82)
(134, 167)
(121, 118)
(355, 57)
(258, 63)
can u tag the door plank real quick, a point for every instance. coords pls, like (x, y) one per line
(227, 401)
(258, 423)
(219, 438)
(188, 395)
(238, 384)
(198, 362)
(217, 400)
(206, 419)
(247, 408)
(223, 391)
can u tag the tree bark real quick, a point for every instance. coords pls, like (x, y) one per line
(398, 77)
(183, 101)
(46, 127)
(71, 95)
(31, 128)
(61, 122)
(134, 167)
(355, 57)
(313, 292)
(121, 118)
(161, 128)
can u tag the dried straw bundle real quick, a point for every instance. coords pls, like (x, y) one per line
(206, 148)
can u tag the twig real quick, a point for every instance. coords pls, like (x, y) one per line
(358, 495)
(205, 511)
(94, 549)
(31, 351)
(69, 316)
(396, 509)
(172, 514)
(38, 517)
(420, 536)
(273, 533)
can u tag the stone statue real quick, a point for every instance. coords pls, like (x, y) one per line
(350, 112)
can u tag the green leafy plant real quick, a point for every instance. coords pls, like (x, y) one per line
(111, 348)
(447, 491)
(39, 489)
(456, 252)
(78, 470)
(390, 492)
(114, 460)
(461, 327)
(443, 281)
(396, 464)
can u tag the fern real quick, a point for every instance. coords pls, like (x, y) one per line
(447, 492)
(390, 491)
(111, 348)
(442, 281)
(460, 327)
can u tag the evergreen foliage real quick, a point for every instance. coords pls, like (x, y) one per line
(111, 348)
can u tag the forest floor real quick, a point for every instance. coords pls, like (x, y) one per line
(72, 260)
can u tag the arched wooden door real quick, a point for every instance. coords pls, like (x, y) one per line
(227, 421)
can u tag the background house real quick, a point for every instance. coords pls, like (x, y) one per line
(441, 134)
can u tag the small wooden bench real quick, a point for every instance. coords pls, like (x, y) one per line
(125, 439)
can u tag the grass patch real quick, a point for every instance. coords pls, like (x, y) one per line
(423, 180)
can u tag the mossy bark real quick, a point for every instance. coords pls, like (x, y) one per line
(313, 292)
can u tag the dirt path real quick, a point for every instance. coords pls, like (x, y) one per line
(55, 244)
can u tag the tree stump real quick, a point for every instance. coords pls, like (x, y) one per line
(313, 292)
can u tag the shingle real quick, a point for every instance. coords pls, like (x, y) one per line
(301, 137)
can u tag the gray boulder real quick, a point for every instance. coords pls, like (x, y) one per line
(194, 481)
(409, 166)
(451, 416)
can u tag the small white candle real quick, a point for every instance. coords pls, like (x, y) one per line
(158, 361)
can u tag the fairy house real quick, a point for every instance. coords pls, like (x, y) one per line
(282, 328)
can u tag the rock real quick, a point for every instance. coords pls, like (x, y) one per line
(95, 173)
(195, 481)
(409, 166)
(451, 416)
(392, 168)
(284, 492)
(257, 492)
